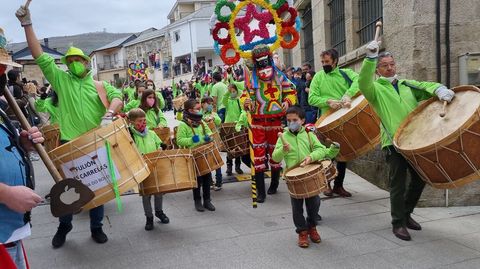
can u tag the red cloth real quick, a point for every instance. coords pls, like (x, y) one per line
(265, 135)
(6, 261)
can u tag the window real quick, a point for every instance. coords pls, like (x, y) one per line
(177, 36)
(307, 32)
(370, 11)
(139, 52)
(337, 25)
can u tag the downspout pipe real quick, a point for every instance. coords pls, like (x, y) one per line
(447, 43)
(438, 49)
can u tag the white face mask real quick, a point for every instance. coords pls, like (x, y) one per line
(391, 79)
(150, 87)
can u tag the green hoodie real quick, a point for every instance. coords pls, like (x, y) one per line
(148, 143)
(242, 121)
(391, 107)
(326, 86)
(302, 145)
(45, 105)
(130, 93)
(185, 134)
(232, 107)
(155, 120)
(78, 100)
(216, 118)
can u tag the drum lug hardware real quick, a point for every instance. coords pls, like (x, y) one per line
(94, 157)
(115, 145)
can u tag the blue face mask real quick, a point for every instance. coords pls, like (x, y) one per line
(233, 95)
(209, 108)
(294, 126)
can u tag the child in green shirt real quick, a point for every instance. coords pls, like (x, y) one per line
(150, 104)
(147, 141)
(302, 148)
(210, 115)
(191, 132)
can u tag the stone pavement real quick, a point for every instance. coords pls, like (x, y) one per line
(356, 233)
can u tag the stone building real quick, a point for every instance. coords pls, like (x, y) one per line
(430, 40)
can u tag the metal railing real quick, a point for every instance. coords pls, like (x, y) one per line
(370, 11)
(111, 65)
(337, 25)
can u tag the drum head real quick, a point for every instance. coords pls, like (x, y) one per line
(326, 163)
(341, 112)
(302, 170)
(427, 127)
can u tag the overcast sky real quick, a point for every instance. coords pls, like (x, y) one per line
(70, 17)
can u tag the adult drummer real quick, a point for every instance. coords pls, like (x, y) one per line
(81, 108)
(393, 99)
(331, 89)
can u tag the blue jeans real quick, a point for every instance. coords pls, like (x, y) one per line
(96, 217)
(310, 116)
(218, 177)
(221, 114)
(16, 253)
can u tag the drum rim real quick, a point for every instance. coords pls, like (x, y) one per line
(446, 140)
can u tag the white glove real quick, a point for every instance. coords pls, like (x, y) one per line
(23, 15)
(372, 49)
(444, 94)
(106, 121)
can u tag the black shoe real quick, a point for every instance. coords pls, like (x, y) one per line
(61, 235)
(99, 236)
(149, 224)
(274, 183)
(260, 199)
(163, 218)
(412, 224)
(319, 218)
(199, 207)
(260, 182)
(229, 170)
(208, 206)
(402, 233)
(238, 170)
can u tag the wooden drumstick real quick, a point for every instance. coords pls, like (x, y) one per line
(28, 3)
(280, 134)
(444, 109)
(378, 28)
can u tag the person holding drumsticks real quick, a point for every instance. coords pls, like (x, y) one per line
(147, 141)
(84, 105)
(192, 132)
(393, 99)
(332, 89)
(297, 146)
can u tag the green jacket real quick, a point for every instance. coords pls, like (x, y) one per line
(201, 88)
(391, 107)
(130, 93)
(219, 90)
(45, 105)
(174, 88)
(78, 100)
(161, 101)
(155, 120)
(242, 121)
(146, 144)
(331, 86)
(302, 145)
(133, 103)
(232, 107)
(216, 118)
(185, 134)
(240, 84)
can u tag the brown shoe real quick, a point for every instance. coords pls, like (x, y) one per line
(402, 233)
(314, 236)
(303, 239)
(412, 224)
(341, 192)
(328, 192)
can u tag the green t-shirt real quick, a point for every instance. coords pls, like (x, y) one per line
(219, 90)
(78, 100)
(155, 120)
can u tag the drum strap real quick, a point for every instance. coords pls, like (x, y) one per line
(102, 93)
(346, 77)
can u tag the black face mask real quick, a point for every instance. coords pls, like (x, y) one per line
(327, 68)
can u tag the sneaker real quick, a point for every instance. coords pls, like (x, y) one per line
(61, 235)
(303, 239)
(149, 224)
(208, 206)
(229, 170)
(162, 217)
(99, 236)
(217, 188)
(199, 207)
(314, 236)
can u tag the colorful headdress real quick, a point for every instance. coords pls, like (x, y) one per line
(265, 13)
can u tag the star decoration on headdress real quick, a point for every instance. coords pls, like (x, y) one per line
(263, 19)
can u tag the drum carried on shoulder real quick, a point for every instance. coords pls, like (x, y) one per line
(236, 143)
(444, 150)
(51, 133)
(178, 101)
(357, 129)
(216, 136)
(171, 171)
(165, 135)
(308, 181)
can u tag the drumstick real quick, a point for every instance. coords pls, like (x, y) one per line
(444, 109)
(27, 4)
(280, 134)
(378, 28)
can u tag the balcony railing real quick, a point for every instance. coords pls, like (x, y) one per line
(111, 65)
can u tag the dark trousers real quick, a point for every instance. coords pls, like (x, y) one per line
(203, 183)
(341, 169)
(313, 205)
(96, 218)
(238, 161)
(403, 199)
(218, 177)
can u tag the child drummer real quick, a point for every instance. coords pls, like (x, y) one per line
(302, 148)
(147, 141)
(192, 132)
